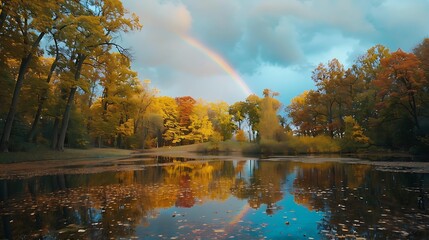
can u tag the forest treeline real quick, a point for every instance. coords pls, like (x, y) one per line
(381, 100)
(67, 82)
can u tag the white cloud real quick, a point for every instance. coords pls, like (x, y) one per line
(274, 43)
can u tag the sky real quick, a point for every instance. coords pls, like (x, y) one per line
(226, 49)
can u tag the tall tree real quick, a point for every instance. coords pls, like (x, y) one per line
(44, 91)
(119, 100)
(236, 111)
(422, 53)
(269, 123)
(364, 93)
(252, 110)
(221, 119)
(201, 128)
(305, 112)
(401, 81)
(31, 20)
(99, 21)
(328, 78)
(169, 111)
(185, 106)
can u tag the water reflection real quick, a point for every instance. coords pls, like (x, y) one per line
(183, 199)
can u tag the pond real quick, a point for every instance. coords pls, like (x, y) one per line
(168, 198)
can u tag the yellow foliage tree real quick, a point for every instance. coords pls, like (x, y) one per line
(201, 127)
(354, 137)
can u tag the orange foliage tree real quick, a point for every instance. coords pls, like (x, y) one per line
(400, 82)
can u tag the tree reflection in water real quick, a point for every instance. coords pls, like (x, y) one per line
(218, 199)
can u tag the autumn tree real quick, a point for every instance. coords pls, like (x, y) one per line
(221, 119)
(118, 106)
(98, 23)
(185, 106)
(422, 53)
(240, 136)
(354, 137)
(328, 78)
(401, 82)
(268, 123)
(27, 23)
(363, 91)
(167, 107)
(237, 112)
(152, 127)
(251, 110)
(304, 110)
(43, 93)
(200, 127)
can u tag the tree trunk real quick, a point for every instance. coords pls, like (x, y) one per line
(119, 140)
(340, 117)
(66, 116)
(159, 138)
(55, 133)
(65, 120)
(4, 142)
(414, 110)
(44, 96)
(330, 120)
(99, 141)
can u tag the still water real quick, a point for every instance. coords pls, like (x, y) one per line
(220, 199)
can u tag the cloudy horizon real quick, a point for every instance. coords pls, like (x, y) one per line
(271, 44)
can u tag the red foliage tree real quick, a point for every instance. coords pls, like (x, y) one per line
(185, 105)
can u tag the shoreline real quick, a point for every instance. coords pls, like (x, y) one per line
(74, 161)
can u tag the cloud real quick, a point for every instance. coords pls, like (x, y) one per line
(161, 49)
(401, 24)
(271, 43)
(288, 81)
(211, 88)
(218, 23)
(345, 15)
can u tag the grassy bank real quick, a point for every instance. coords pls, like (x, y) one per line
(67, 154)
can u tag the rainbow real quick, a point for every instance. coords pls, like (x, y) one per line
(240, 215)
(215, 57)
